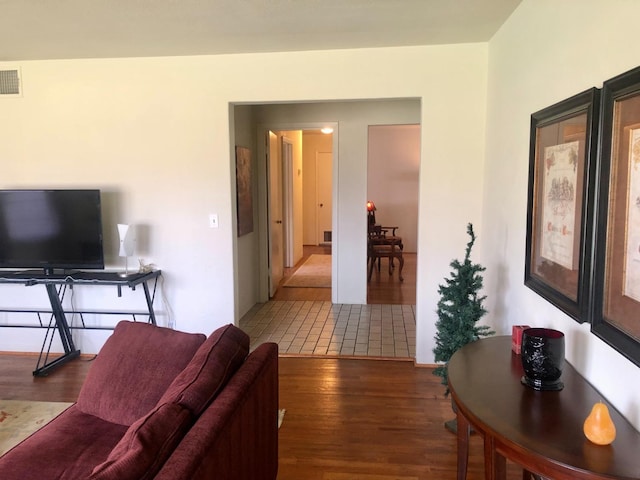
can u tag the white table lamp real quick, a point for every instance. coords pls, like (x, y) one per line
(127, 245)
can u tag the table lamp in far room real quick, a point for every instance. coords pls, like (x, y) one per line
(371, 213)
(127, 245)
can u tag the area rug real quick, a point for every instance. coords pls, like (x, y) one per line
(314, 273)
(20, 418)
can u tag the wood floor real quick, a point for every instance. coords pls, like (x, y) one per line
(346, 419)
(382, 289)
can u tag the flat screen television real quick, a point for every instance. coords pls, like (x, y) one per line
(51, 229)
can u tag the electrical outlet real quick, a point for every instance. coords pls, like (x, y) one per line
(213, 220)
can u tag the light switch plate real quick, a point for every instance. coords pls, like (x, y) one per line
(213, 220)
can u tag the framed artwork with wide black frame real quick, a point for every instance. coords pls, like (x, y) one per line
(616, 293)
(560, 203)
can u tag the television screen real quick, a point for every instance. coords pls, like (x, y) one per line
(51, 229)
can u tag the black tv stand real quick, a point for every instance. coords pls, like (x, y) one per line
(51, 272)
(55, 284)
(42, 273)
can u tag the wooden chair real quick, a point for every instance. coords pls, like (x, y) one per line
(393, 237)
(382, 246)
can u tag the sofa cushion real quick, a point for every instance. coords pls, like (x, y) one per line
(67, 448)
(214, 363)
(134, 368)
(146, 445)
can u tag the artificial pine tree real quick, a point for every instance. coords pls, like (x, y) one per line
(459, 309)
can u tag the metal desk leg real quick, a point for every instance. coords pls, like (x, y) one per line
(64, 331)
(152, 315)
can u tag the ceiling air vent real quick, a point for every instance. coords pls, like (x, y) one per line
(10, 83)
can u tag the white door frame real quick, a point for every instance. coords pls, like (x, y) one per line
(287, 207)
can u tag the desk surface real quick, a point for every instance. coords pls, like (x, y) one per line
(540, 430)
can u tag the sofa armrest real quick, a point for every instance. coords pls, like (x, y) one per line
(236, 437)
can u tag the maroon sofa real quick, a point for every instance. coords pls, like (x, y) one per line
(167, 405)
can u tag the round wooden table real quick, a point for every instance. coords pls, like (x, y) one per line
(540, 430)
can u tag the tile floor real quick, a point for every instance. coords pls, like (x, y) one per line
(321, 328)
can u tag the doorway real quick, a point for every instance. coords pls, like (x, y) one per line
(301, 161)
(323, 200)
(377, 324)
(348, 235)
(393, 170)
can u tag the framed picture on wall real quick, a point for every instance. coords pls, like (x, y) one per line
(560, 202)
(616, 312)
(243, 191)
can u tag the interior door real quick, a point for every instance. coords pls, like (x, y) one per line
(275, 214)
(324, 181)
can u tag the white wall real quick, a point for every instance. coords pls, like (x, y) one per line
(546, 52)
(155, 134)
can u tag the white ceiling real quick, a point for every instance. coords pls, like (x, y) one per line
(56, 29)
